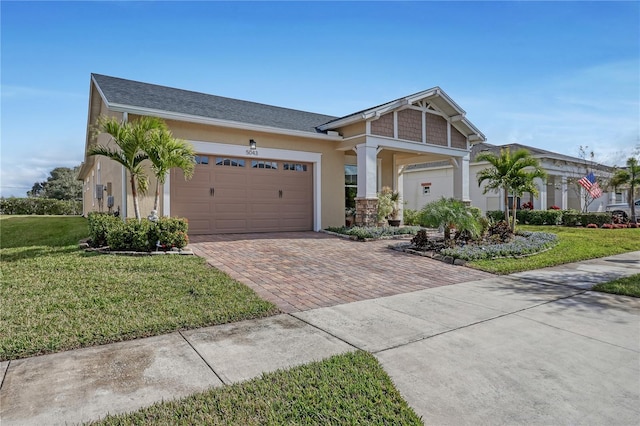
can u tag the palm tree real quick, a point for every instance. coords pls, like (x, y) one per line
(130, 139)
(447, 213)
(631, 177)
(513, 173)
(165, 152)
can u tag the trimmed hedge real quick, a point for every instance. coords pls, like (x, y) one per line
(39, 206)
(99, 226)
(554, 217)
(539, 217)
(134, 235)
(495, 215)
(583, 219)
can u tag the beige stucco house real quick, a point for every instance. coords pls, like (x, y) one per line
(429, 181)
(303, 169)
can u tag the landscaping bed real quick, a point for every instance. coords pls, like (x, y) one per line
(574, 245)
(521, 245)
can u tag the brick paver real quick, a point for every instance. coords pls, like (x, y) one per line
(305, 270)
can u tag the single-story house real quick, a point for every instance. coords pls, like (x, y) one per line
(262, 168)
(429, 181)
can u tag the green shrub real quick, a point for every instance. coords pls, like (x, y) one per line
(410, 216)
(169, 232)
(99, 225)
(39, 206)
(134, 235)
(574, 218)
(495, 215)
(130, 235)
(539, 217)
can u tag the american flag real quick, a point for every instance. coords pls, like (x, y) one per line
(591, 185)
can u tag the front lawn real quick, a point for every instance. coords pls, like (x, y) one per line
(347, 389)
(628, 286)
(55, 297)
(574, 244)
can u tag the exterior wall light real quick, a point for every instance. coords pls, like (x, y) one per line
(252, 144)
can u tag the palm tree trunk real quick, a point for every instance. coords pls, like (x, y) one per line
(515, 202)
(506, 205)
(632, 201)
(157, 197)
(134, 194)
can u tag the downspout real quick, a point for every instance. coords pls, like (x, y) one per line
(123, 211)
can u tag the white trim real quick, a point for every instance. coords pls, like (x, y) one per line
(395, 124)
(424, 127)
(425, 169)
(123, 211)
(166, 196)
(218, 122)
(448, 133)
(415, 147)
(212, 148)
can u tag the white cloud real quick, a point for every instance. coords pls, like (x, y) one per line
(596, 106)
(18, 176)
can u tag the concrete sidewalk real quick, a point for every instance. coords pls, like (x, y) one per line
(530, 348)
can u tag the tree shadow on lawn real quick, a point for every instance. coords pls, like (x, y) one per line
(23, 253)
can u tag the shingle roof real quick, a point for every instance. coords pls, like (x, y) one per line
(162, 98)
(495, 149)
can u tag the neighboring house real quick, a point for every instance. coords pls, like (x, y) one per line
(429, 181)
(304, 170)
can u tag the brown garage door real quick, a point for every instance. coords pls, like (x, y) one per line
(240, 195)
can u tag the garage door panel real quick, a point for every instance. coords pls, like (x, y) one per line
(245, 199)
(256, 209)
(225, 195)
(198, 226)
(231, 226)
(229, 178)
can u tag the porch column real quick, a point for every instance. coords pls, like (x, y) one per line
(367, 197)
(461, 179)
(565, 194)
(542, 196)
(400, 188)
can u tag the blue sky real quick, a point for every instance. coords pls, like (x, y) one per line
(554, 75)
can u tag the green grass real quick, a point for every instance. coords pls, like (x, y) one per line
(55, 297)
(575, 244)
(345, 389)
(42, 231)
(628, 286)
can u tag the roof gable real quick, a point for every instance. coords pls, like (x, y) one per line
(123, 94)
(434, 99)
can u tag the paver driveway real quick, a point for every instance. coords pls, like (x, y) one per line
(305, 270)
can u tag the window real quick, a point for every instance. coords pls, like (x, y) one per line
(350, 185)
(232, 162)
(261, 164)
(294, 167)
(202, 159)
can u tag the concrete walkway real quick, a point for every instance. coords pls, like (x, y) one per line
(529, 348)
